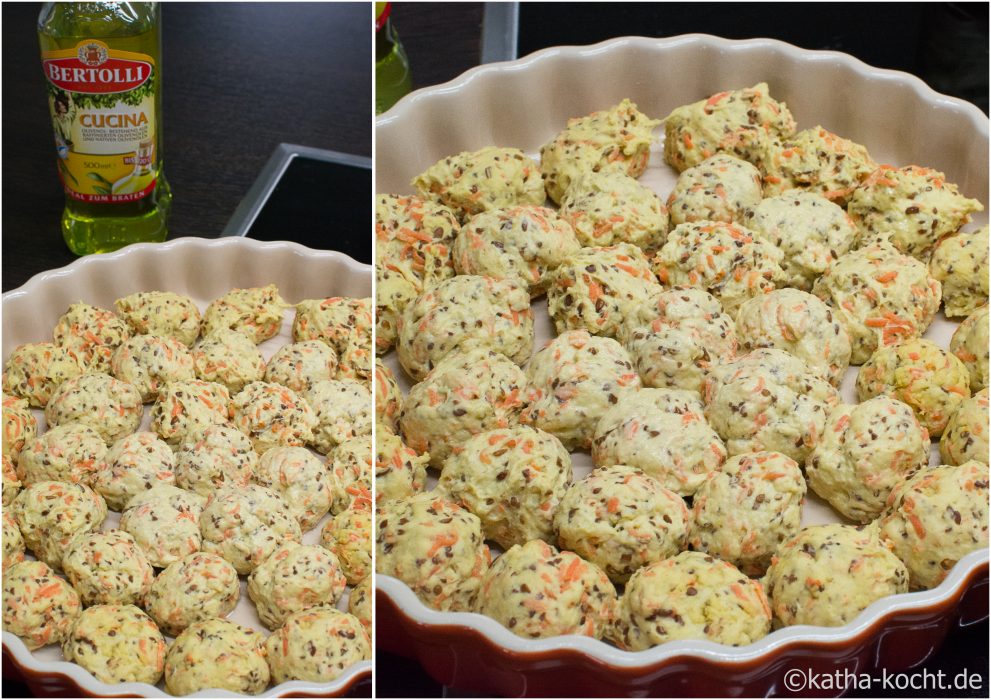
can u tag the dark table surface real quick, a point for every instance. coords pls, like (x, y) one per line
(239, 78)
(944, 43)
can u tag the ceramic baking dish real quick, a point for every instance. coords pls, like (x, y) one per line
(523, 104)
(202, 269)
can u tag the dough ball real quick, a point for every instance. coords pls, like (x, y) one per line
(727, 260)
(38, 606)
(769, 400)
(91, 333)
(573, 380)
(109, 406)
(621, 519)
(467, 393)
(293, 578)
(161, 313)
(966, 435)
(720, 188)
(317, 645)
(256, 312)
(165, 523)
(300, 365)
(880, 296)
(349, 536)
(11, 482)
(350, 466)
(107, 568)
(216, 457)
(388, 397)
(513, 479)
(70, 452)
(217, 654)
(273, 416)
(343, 323)
(829, 573)
(51, 513)
(664, 433)
(433, 546)
(525, 243)
(399, 470)
(360, 603)
(183, 409)
(343, 410)
(970, 344)
(199, 587)
(133, 465)
(911, 208)
(800, 324)
(13, 542)
(150, 362)
(597, 288)
(301, 479)
(537, 591)
(228, 357)
(609, 207)
(19, 426)
(960, 263)
(246, 525)
(920, 373)
(690, 596)
(116, 643)
(35, 370)
(864, 452)
(617, 139)
(743, 512)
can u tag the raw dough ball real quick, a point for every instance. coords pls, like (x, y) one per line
(317, 645)
(388, 397)
(70, 452)
(199, 587)
(229, 358)
(256, 312)
(11, 482)
(343, 323)
(293, 578)
(743, 512)
(526, 243)
(512, 479)
(609, 207)
(19, 426)
(301, 479)
(433, 546)
(38, 606)
(350, 466)
(399, 470)
(491, 178)
(920, 373)
(52, 513)
(960, 263)
(738, 122)
(911, 208)
(133, 465)
(798, 323)
(880, 296)
(186, 408)
(35, 370)
(246, 525)
(117, 644)
(109, 406)
(864, 452)
(662, 432)
(966, 435)
(727, 260)
(343, 410)
(817, 161)
(273, 416)
(165, 523)
(349, 536)
(970, 344)
(597, 288)
(161, 313)
(810, 230)
(720, 188)
(92, 333)
(617, 139)
(360, 603)
(467, 393)
(768, 400)
(13, 542)
(217, 654)
(213, 458)
(536, 591)
(574, 379)
(413, 242)
(621, 519)
(150, 362)
(829, 573)
(690, 596)
(677, 336)
(300, 365)
(107, 568)
(466, 311)
(935, 517)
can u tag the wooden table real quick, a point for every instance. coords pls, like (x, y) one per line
(239, 78)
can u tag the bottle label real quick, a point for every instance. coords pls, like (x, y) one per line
(102, 103)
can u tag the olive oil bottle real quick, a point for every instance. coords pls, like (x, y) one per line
(103, 76)
(392, 76)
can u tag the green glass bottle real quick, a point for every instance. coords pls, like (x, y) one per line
(392, 76)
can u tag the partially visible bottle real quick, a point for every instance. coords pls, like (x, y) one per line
(392, 76)
(103, 75)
